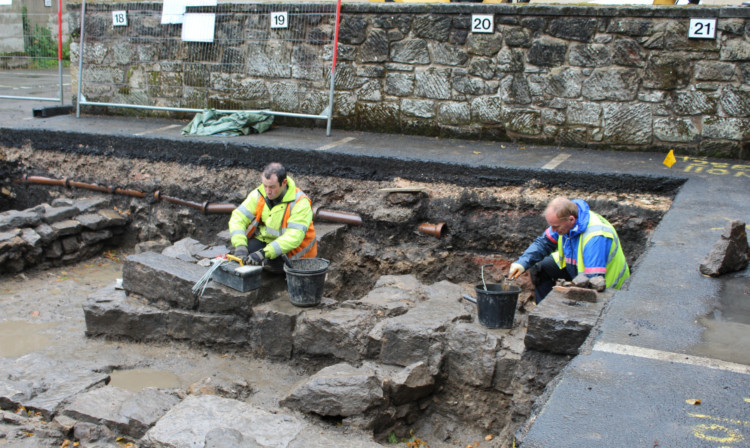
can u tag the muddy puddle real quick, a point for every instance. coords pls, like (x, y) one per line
(19, 338)
(139, 379)
(727, 335)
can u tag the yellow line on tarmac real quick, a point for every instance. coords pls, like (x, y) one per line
(159, 129)
(336, 143)
(552, 164)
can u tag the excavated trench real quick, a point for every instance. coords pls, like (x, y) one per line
(485, 224)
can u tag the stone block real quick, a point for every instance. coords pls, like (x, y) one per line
(57, 214)
(113, 218)
(46, 232)
(189, 422)
(471, 354)
(13, 219)
(110, 312)
(339, 390)
(409, 384)
(123, 411)
(730, 253)
(89, 238)
(31, 238)
(272, 327)
(67, 227)
(386, 301)
(419, 334)
(340, 333)
(162, 279)
(71, 244)
(92, 221)
(54, 250)
(208, 329)
(559, 325)
(185, 249)
(410, 51)
(577, 294)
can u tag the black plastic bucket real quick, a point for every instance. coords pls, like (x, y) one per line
(305, 280)
(496, 307)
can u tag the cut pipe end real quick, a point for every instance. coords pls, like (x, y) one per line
(438, 230)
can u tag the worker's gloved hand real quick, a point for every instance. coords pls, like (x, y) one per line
(515, 271)
(241, 252)
(256, 258)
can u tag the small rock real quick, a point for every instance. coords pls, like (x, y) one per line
(730, 254)
(581, 281)
(598, 283)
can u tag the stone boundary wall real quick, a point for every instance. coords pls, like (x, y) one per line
(62, 233)
(583, 76)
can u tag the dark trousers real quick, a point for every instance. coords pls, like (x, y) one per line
(544, 276)
(276, 265)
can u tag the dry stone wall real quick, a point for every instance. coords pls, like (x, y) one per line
(600, 77)
(64, 232)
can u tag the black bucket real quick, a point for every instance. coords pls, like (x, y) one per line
(305, 280)
(496, 307)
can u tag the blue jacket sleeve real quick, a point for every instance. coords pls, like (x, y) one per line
(540, 248)
(595, 256)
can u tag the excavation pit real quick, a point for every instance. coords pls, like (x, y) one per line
(392, 321)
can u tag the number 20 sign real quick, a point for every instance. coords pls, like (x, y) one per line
(702, 29)
(482, 23)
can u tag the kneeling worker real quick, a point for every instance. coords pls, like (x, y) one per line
(577, 241)
(274, 219)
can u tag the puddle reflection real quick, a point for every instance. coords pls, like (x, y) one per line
(139, 379)
(20, 338)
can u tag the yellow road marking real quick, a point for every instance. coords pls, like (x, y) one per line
(336, 143)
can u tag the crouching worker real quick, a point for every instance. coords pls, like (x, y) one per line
(274, 219)
(577, 241)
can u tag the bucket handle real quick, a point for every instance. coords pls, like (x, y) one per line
(483, 283)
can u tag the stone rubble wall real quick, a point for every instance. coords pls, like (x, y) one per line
(599, 77)
(64, 232)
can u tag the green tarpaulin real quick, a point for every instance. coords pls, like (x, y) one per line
(210, 122)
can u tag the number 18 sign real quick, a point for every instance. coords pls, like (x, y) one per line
(702, 29)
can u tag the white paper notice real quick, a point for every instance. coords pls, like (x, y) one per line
(172, 11)
(6, 2)
(198, 27)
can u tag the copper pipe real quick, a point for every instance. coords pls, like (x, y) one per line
(178, 201)
(218, 208)
(437, 230)
(335, 216)
(26, 179)
(94, 187)
(126, 192)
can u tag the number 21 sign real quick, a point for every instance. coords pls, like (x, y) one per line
(702, 29)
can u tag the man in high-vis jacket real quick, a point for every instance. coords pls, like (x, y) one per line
(577, 241)
(274, 219)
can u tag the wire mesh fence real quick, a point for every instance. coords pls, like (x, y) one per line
(270, 57)
(30, 49)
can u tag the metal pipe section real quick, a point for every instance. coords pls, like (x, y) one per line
(206, 207)
(335, 216)
(437, 230)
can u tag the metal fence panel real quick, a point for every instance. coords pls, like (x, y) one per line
(30, 49)
(252, 63)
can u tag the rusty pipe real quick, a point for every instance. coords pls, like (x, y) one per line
(65, 182)
(437, 230)
(26, 179)
(206, 207)
(336, 216)
(218, 208)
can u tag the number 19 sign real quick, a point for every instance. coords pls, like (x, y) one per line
(702, 29)
(482, 23)
(279, 19)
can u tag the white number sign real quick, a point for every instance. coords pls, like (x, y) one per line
(702, 29)
(119, 18)
(279, 20)
(482, 23)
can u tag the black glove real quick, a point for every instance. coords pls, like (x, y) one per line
(255, 258)
(241, 252)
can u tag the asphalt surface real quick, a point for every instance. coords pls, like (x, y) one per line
(672, 337)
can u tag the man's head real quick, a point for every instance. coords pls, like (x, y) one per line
(274, 180)
(561, 214)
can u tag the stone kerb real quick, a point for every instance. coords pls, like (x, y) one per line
(62, 233)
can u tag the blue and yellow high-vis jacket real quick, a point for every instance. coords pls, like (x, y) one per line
(592, 245)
